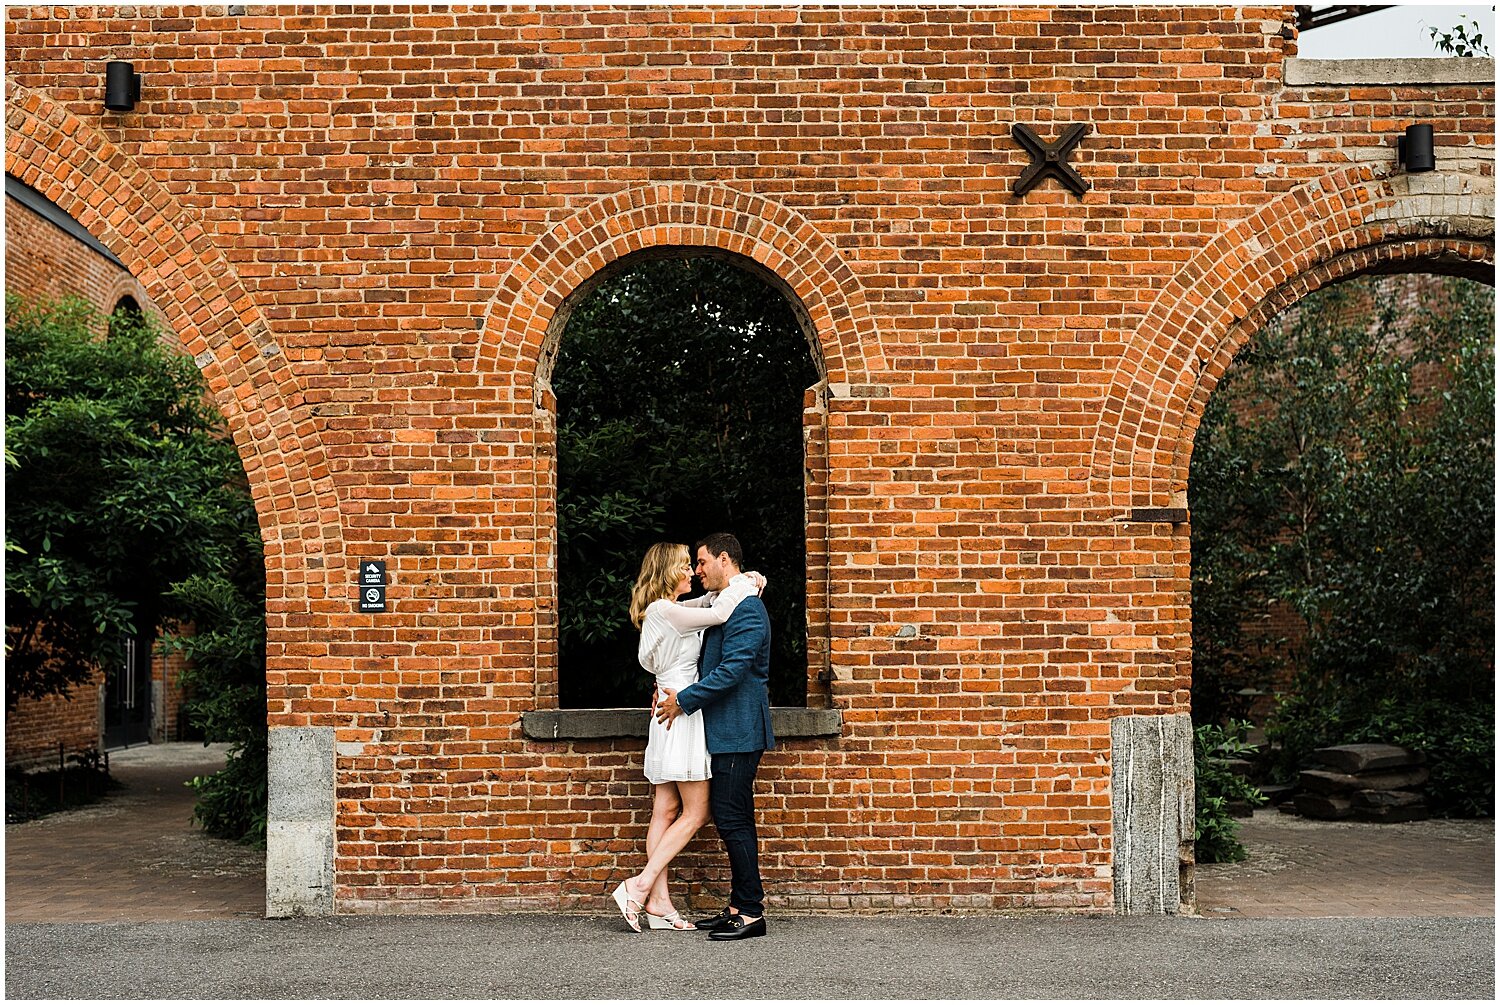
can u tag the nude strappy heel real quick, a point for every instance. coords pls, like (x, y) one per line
(630, 910)
(673, 922)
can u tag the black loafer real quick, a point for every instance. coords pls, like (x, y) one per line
(717, 923)
(738, 929)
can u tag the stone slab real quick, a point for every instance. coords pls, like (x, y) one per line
(1151, 795)
(1337, 782)
(1276, 794)
(1428, 70)
(1354, 758)
(1322, 807)
(1378, 799)
(789, 723)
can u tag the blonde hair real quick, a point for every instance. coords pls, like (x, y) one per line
(661, 570)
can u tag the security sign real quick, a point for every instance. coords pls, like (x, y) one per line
(372, 587)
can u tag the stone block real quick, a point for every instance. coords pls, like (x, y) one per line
(1336, 782)
(1278, 794)
(1354, 758)
(1374, 799)
(299, 822)
(1322, 807)
(299, 869)
(1151, 793)
(788, 722)
(299, 774)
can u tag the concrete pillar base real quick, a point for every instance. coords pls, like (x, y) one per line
(1151, 789)
(299, 823)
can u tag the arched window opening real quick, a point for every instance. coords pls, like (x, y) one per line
(126, 314)
(1342, 495)
(680, 387)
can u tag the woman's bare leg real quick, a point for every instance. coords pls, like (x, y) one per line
(694, 799)
(666, 806)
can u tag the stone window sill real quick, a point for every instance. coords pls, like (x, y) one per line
(789, 723)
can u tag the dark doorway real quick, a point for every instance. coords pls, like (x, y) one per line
(127, 702)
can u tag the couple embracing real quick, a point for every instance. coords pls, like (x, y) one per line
(711, 722)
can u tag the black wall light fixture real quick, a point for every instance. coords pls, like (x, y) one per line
(122, 86)
(1415, 149)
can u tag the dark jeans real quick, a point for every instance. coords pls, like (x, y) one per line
(731, 798)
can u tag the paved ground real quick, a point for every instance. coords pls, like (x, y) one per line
(183, 915)
(135, 856)
(553, 956)
(1302, 868)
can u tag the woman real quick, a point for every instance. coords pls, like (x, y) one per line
(677, 757)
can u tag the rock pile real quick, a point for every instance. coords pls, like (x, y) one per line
(1363, 781)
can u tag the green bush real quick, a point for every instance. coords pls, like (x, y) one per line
(1215, 830)
(225, 676)
(128, 510)
(1330, 477)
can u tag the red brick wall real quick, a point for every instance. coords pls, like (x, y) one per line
(36, 727)
(43, 262)
(366, 224)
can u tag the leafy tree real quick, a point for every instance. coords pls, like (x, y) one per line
(128, 511)
(118, 484)
(1331, 477)
(679, 394)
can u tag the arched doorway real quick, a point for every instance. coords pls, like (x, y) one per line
(1342, 493)
(202, 302)
(1348, 223)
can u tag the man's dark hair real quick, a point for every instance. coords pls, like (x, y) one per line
(723, 544)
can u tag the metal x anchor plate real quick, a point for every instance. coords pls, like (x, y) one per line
(1050, 159)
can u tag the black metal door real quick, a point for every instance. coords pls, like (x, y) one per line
(127, 706)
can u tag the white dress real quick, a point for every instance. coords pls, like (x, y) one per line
(671, 638)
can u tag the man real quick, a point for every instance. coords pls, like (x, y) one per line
(734, 669)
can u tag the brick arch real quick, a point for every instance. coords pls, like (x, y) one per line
(521, 331)
(197, 294)
(216, 321)
(1335, 228)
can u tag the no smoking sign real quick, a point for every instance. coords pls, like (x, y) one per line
(372, 587)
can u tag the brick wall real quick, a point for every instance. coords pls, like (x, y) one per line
(367, 225)
(35, 728)
(43, 262)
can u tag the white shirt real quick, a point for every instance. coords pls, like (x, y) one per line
(672, 633)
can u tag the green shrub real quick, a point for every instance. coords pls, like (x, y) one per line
(226, 680)
(1332, 479)
(1215, 830)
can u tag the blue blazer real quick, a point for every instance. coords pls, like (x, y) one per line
(734, 672)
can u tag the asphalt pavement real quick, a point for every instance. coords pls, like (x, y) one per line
(573, 957)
